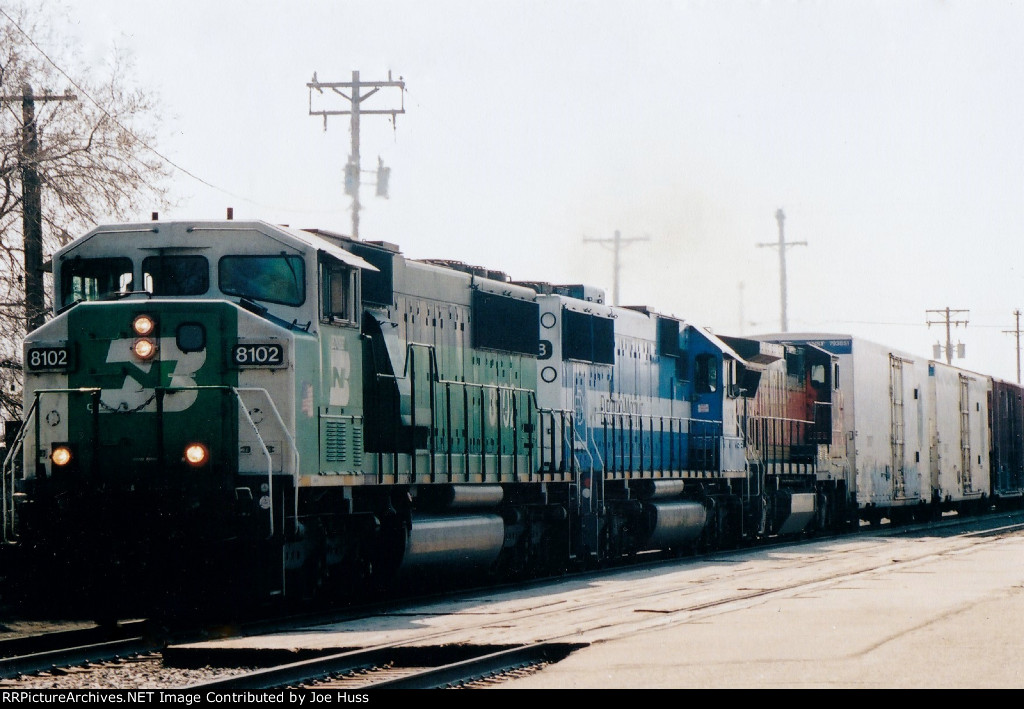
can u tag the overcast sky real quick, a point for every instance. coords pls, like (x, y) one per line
(891, 133)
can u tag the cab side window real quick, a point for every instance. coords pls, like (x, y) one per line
(705, 373)
(338, 291)
(818, 376)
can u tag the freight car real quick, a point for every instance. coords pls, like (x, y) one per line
(268, 412)
(921, 437)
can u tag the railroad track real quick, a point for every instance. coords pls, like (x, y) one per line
(468, 656)
(395, 667)
(42, 652)
(460, 656)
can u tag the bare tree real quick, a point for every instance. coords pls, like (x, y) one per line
(94, 160)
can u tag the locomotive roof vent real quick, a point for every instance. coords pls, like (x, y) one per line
(387, 245)
(539, 286)
(467, 268)
(581, 292)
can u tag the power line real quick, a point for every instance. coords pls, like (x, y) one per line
(31, 201)
(899, 324)
(355, 99)
(116, 122)
(782, 245)
(616, 244)
(1016, 331)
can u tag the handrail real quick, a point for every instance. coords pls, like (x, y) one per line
(435, 380)
(772, 440)
(652, 417)
(714, 427)
(270, 463)
(8, 472)
(785, 419)
(592, 449)
(699, 428)
(284, 429)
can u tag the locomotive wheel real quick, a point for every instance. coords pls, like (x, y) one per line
(314, 576)
(311, 578)
(824, 516)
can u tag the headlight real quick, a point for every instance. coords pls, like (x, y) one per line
(61, 456)
(143, 325)
(144, 348)
(196, 454)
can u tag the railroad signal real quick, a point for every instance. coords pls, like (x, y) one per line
(938, 349)
(947, 315)
(351, 179)
(383, 175)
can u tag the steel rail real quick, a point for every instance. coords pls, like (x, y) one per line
(82, 654)
(61, 639)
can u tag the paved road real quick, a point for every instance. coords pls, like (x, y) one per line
(935, 615)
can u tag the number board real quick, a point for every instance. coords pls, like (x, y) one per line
(258, 354)
(39, 359)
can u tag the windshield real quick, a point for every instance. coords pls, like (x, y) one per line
(176, 275)
(276, 279)
(94, 278)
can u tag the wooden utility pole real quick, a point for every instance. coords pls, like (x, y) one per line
(1016, 331)
(31, 203)
(782, 245)
(355, 97)
(616, 242)
(947, 319)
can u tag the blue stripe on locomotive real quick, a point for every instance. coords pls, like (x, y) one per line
(660, 442)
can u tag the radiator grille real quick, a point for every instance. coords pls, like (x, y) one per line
(343, 442)
(357, 444)
(336, 441)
